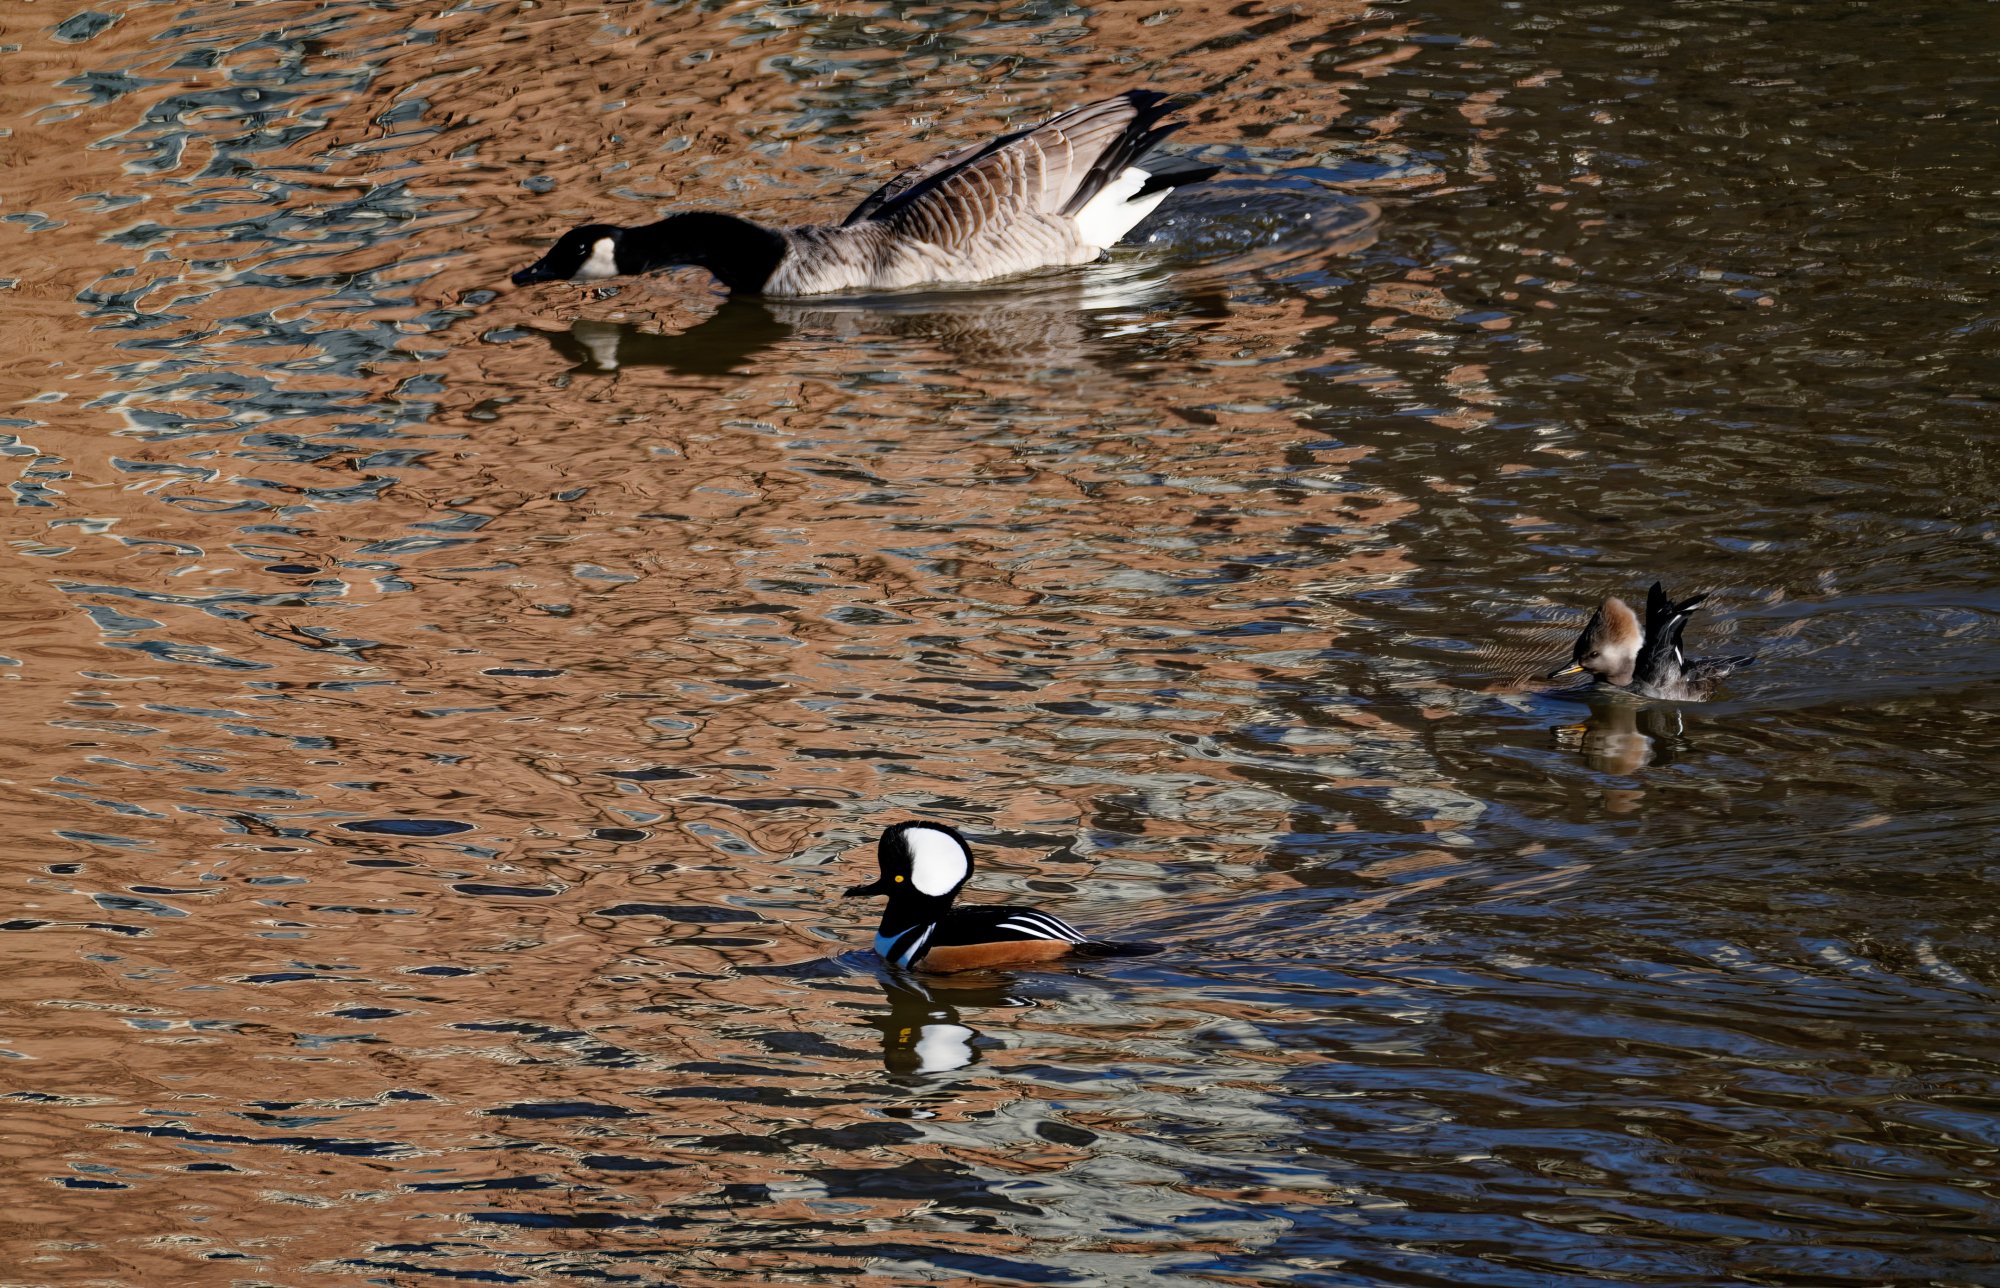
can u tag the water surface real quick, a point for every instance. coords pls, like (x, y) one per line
(442, 717)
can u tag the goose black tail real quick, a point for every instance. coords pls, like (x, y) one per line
(1115, 948)
(1168, 179)
(1142, 134)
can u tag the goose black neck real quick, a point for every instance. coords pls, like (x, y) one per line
(742, 255)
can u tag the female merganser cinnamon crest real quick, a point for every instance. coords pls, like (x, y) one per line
(1647, 660)
(923, 866)
(1054, 194)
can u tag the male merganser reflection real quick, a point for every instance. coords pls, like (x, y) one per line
(923, 1031)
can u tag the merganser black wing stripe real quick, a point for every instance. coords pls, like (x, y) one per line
(1061, 927)
(1660, 658)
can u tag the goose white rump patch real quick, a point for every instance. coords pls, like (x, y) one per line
(938, 864)
(1112, 213)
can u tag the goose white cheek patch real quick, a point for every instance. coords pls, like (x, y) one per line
(603, 262)
(937, 863)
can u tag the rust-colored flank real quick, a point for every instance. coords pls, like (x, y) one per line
(960, 957)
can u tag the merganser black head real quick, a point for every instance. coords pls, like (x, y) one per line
(922, 861)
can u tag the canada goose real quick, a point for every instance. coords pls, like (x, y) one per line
(1647, 660)
(1056, 194)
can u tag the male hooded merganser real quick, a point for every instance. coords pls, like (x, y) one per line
(1647, 660)
(924, 865)
(1056, 193)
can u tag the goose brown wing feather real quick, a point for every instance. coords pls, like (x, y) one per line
(962, 195)
(891, 192)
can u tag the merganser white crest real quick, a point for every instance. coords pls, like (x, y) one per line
(1054, 194)
(939, 863)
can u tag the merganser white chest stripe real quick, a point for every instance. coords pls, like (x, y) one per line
(904, 947)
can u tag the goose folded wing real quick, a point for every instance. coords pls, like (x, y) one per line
(900, 186)
(1052, 169)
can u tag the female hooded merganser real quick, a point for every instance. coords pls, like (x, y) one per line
(1647, 660)
(1054, 194)
(924, 865)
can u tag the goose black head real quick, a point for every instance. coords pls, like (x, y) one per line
(1609, 644)
(919, 861)
(586, 253)
(740, 254)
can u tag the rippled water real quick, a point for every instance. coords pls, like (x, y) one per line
(442, 717)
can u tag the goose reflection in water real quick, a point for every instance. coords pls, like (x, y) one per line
(923, 1030)
(718, 346)
(977, 326)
